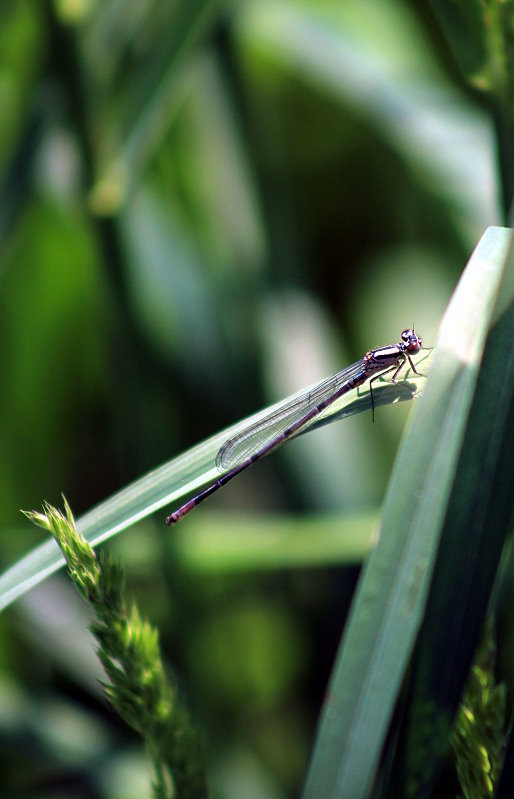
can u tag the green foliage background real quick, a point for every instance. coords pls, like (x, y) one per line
(203, 207)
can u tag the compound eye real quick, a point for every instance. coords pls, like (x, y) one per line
(411, 341)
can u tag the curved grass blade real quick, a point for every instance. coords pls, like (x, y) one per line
(390, 601)
(171, 482)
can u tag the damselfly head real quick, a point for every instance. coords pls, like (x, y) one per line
(411, 341)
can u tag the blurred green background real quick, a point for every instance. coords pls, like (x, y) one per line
(205, 206)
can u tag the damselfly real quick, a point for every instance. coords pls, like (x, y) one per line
(262, 437)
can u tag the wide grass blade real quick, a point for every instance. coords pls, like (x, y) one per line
(475, 527)
(390, 601)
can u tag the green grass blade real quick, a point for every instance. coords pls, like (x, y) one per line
(173, 481)
(391, 597)
(475, 527)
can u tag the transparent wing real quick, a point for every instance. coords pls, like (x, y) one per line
(245, 443)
